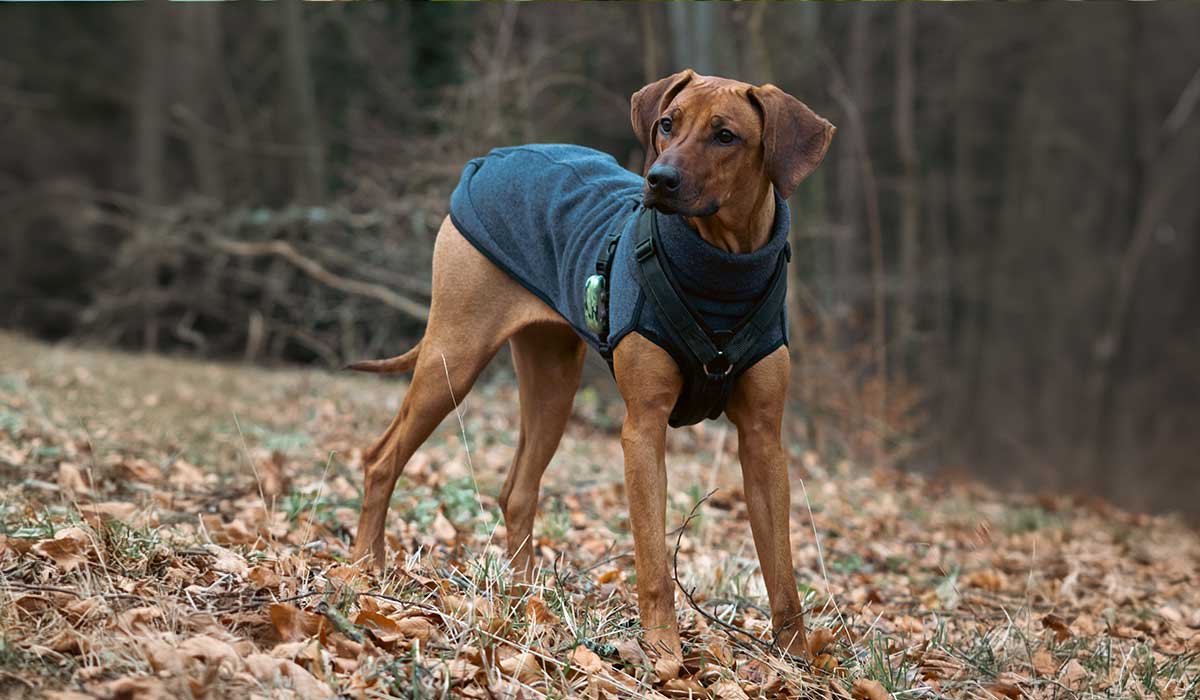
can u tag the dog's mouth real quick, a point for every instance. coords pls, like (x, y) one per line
(690, 206)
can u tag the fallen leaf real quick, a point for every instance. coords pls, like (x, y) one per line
(631, 653)
(1062, 632)
(538, 612)
(867, 689)
(1073, 675)
(819, 640)
(211, 651)
(444, 530)
(667, 668)
(71, 479)
(282, 673)
(728, 689)
(416, 628)
(227, 561)
(67, 549)
(1044, 663)
(586, 660)
(135, 688)
(272, 478)
(139, 617)
(293, 624)
(140, 470)
(186, 475)
(523, 666)
(263, 577)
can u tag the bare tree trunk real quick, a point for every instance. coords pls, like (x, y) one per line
(1172, 158)
(878, 281)
(692, 35)
(303, 101)
(848, 238)
(650, 43)
(756, 40)
(909, 191)
(151, 116)
(200, 23)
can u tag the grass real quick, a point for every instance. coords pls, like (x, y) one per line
(929, 597)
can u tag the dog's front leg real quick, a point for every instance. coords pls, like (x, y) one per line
(650, 383)
(756, 408)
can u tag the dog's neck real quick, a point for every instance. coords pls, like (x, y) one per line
(739, 228)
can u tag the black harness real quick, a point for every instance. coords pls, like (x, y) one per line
(709, 361)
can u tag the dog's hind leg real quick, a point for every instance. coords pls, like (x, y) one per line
(548, 360)
(475, 308)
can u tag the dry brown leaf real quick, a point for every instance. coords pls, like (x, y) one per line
(227, 561)
(989, 580)
(444, 530)
(1073, 675)
(281, 673)
(293, 624)
(461, 671)
(71, 479)
(135, 688)
(140, 617)
(523, 666)
(162, 656)
(67, 549)
(728, 689)
(825, 662)
(416, 628)
(97, 514)
(666, 668)
(538, 612)
(263, 577)
(211, 651)
(1044, 663)
(819, 640)
(586, 660)
(186, 475)
(867, 689)
(1062, 632)
(1002, 690)
(273, 478)
(631, 653)
(140, 470)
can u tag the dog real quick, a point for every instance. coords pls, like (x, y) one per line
(526, 227)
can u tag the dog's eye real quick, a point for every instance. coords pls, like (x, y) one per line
(664, 125)
(725, 136)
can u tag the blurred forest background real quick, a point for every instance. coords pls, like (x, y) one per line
(998, 271)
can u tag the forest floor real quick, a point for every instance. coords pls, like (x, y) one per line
(178, 529)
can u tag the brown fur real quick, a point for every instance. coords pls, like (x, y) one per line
(476, 308)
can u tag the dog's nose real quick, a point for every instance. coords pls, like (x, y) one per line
(663, 178)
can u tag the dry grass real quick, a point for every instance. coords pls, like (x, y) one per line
(177, 529)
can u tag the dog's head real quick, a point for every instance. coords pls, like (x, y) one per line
(707, 138)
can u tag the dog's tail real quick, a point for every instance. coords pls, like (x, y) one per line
(392, 365)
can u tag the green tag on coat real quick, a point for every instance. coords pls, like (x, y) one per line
(595, 304)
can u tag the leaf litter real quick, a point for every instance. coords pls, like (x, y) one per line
(173, 529)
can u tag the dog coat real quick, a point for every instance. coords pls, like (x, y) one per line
(543, 214)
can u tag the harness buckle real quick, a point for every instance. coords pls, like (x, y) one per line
(644, 249)
(719, 367)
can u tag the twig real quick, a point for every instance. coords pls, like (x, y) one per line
(732, 630)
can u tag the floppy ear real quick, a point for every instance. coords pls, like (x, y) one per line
(795, 139)
(647, 103)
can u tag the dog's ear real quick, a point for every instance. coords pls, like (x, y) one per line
(647, 103)
(795, 139)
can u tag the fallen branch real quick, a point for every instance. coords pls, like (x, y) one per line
(314, 269)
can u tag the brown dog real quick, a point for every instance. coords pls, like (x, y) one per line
(726, 191)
